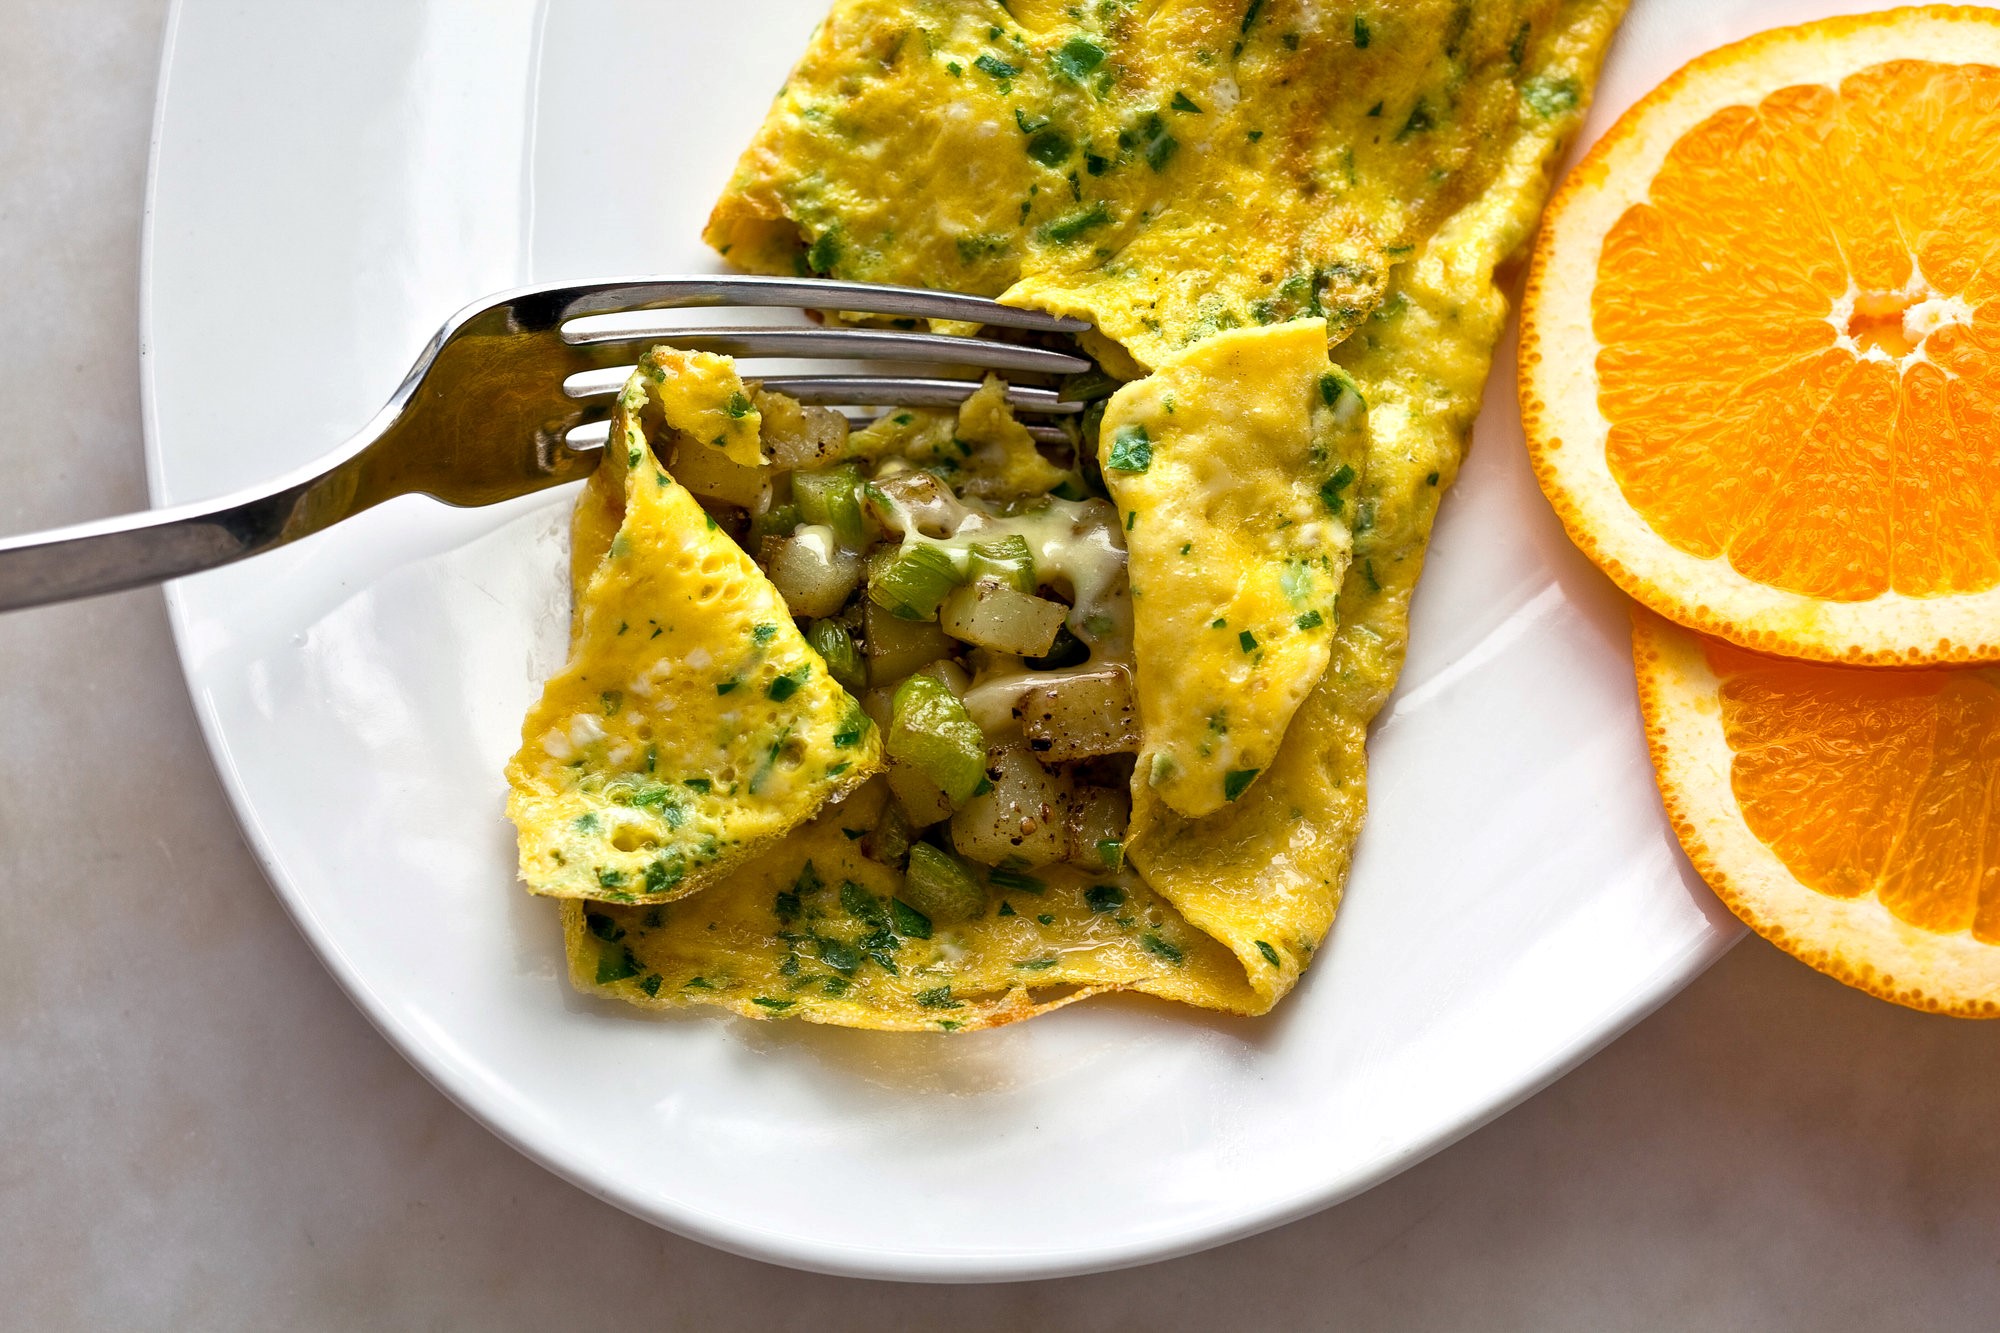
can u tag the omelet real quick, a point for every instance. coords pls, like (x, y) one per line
(1231, 463)
(692, 723)
(1283, 219)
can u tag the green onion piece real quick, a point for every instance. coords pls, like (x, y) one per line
(1008, 560)
(930, 730)
(914, 582)
(832, 497)
(780, 521)
(889, 841)
(831, 641)
(939, 887)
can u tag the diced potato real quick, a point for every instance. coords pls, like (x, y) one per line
(815, 576)
(927, 502)
(796, 436)
(707, 472)
(1023, 817)
(950, 674)
(1080, 713)
(992, 615)
(896, 647)
(1094, 834)
(923, 801)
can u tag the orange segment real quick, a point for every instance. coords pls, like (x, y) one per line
(1870, 782)
(1761, 342)
(1814, 208)
(1852, 816)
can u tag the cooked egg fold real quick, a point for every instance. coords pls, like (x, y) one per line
(692, 724)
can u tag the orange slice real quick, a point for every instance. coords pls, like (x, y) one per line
(1850, 816)
(1761, 342)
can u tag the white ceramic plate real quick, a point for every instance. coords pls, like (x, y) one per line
(330, 181)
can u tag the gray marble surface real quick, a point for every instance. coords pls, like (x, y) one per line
(197, 1131)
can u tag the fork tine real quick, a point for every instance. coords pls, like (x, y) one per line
(622, 294)
(891, 391)
(585, 438)
(837, 344)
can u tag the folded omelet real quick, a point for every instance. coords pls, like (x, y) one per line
(1283, 219)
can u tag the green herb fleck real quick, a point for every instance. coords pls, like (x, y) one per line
(774, 1005)
(1551, 97)
(738, 405)
(1330, 490)
(785, 686)
(995, 66)
(908, 921)
(1078, 57)
(1104, 897)
(764, 633)
(616, 965)
(1131, 449)
(1159, 948)
(938, 997)
(613, 700)
(1183, 103)
(1069, 227)
(664, 873)
(1311, 620)
(824, 252)
(1361, 32)
(1237, 781)
(1270, 954)
(1246, 641)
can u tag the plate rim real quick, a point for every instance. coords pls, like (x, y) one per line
(715, 1230)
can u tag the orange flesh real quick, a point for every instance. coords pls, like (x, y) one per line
(1827, 450)
(1872, 782)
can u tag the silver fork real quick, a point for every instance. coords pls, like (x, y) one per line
(492, 410)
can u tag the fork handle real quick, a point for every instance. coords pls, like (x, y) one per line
(113, 554)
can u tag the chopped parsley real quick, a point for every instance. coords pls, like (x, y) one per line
(776, 1006)
(1270, 954)
(1551, 97)
(908, 921)
(938, 997)
(1237, 781)
(995, 66)
(1361, 32)
(1330, 490)
(738, 405)
(1079, 56)
(1185, 104)
(1104, 897)
(1131, 449)
(785, 686)
(1070, 226)
(1311, 620)
(1159, 948)
(1246, 641)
